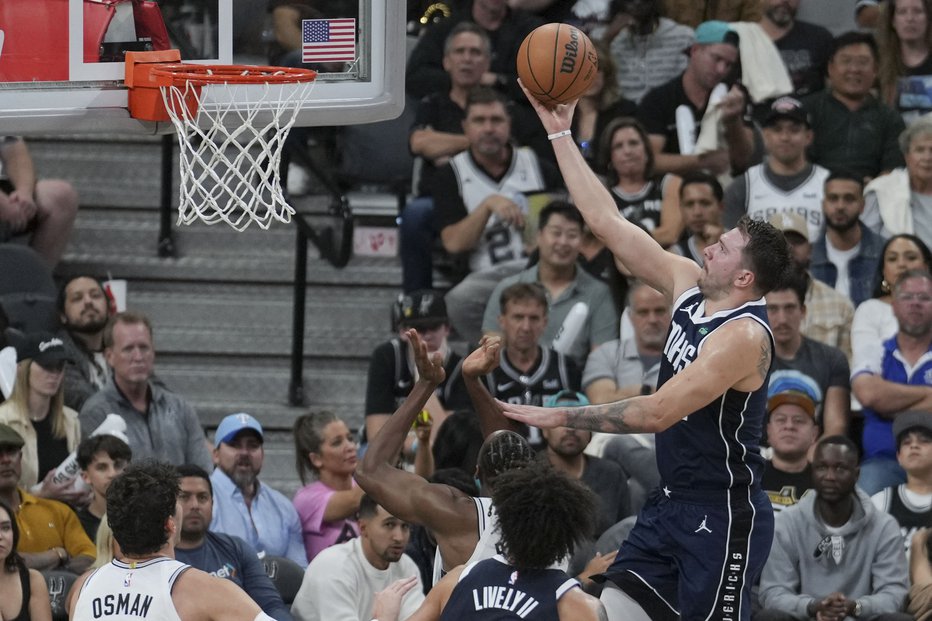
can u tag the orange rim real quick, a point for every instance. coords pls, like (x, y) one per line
(179, 74)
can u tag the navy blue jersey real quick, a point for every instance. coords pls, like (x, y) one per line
(492, 590)
(717, 447)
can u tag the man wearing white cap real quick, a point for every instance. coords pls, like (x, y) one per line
(244, 507)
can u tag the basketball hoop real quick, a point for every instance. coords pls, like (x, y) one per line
(230, 149)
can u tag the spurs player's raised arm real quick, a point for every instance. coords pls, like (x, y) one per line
(637, 250)
(446, 512)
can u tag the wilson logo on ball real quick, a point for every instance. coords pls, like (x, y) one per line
(569, 58)
(557, 63)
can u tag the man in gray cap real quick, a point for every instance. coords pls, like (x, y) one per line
(911, 502)
(243, 506)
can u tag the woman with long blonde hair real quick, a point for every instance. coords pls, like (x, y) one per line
(36, 410)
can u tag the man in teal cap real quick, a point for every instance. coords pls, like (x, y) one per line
(712, 59)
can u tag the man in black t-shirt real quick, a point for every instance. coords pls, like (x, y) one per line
(712, 59)
(791, 432)
(804, 47)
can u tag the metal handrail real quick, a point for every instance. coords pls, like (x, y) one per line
(337, 254)
(335, 244)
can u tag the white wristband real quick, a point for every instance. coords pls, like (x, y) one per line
(565, 132)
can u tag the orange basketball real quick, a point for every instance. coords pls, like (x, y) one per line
(557, 63)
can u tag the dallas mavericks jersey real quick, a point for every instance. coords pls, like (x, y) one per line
(487, 546)
(499, 242)
(717, 447)
(130, 592)
(764, 199)
(492, 590)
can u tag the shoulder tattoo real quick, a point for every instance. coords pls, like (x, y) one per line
(763, 361)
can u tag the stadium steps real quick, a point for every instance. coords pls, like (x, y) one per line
(222, 308)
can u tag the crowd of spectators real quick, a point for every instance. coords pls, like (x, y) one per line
(833, 148)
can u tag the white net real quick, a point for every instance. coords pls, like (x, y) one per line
(229, 164)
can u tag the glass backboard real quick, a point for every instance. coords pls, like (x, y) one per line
(62, 69)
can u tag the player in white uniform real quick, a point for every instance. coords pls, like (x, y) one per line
(146, 582)
(457, 521)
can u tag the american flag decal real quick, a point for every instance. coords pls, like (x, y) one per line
(328, 40)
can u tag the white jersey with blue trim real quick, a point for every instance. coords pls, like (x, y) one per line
(717, 447)
(130, 591)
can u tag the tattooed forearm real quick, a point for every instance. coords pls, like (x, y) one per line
(618, 417)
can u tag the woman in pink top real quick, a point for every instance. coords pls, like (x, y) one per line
(325, 448)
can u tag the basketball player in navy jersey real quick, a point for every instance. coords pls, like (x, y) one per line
(703, 537)
(520, 582)
(145, 581)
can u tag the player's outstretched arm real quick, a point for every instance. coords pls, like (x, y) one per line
(737, 355)
(479, 363)
(198, 596)
(636, 249)
(446, 512)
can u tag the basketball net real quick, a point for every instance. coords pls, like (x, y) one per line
(230, 167)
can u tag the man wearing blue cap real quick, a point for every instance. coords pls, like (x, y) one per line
(711, 60)
(243, 506)
(791, 432)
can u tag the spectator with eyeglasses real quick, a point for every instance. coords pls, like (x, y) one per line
(894, 378)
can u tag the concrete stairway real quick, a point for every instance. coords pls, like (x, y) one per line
(222, 309)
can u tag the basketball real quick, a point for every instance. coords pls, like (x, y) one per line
(557, 63)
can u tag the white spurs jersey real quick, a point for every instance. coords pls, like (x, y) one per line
(499, 242)
(487, 546)
(130, 591)
(764, 199)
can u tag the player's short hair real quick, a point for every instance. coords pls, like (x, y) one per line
(702, 178)
(542, 514)
(503, 450)
(523, 292)
(113, 446)
(563, 208)
(470, 27)
(139, 502)
(126, 318)
(766, 252)
(195, 471)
